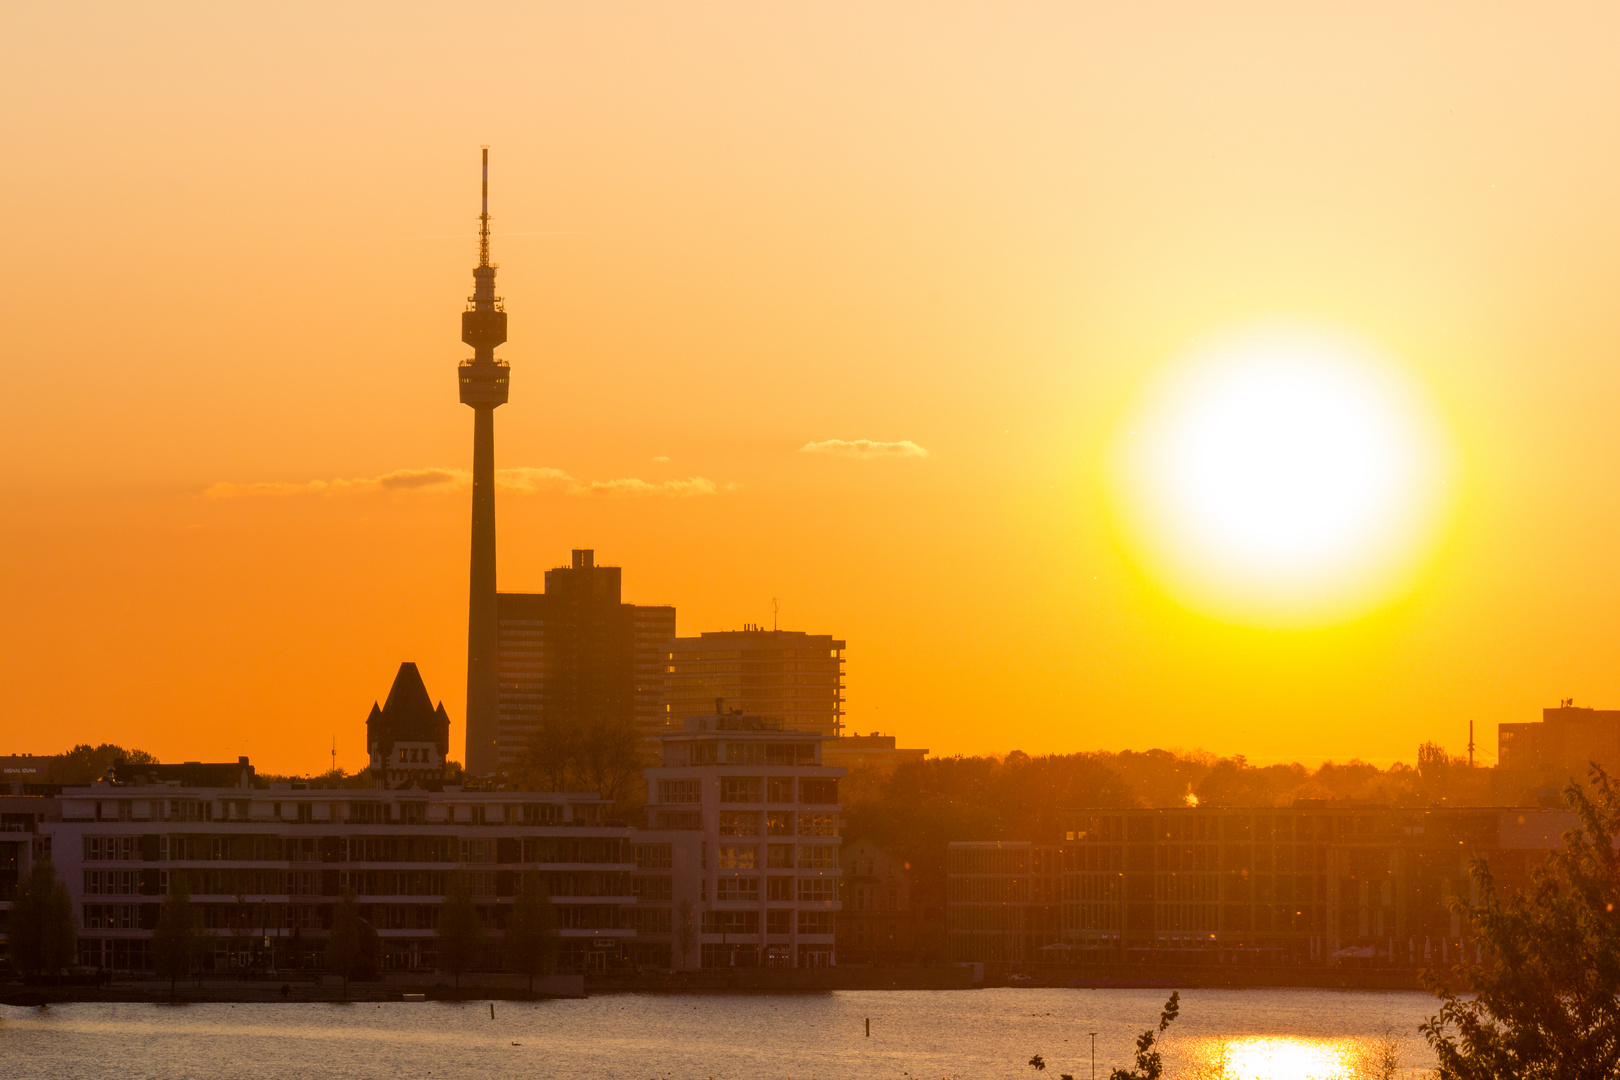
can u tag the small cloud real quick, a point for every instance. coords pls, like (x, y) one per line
(661, 457)
(399, 480)
(864, 448)
(519, 481)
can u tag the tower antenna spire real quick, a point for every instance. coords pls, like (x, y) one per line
(483, 217)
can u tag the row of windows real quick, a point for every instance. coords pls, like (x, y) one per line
(777, 856)
(776, 922)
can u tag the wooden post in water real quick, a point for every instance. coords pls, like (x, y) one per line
(868, 1027)
(492, 1010)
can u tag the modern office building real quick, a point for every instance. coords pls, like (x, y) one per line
(579, 653)
(484, 384)
(789, 674)
(266, 865)
(743, 846)
(1003, 901)
(1317, 882)
(1565, 743)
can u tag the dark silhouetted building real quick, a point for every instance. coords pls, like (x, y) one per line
(1566, 742)
(408, 738)
(484, 383)
(579, 654)
(789, 674)
(1314, 883)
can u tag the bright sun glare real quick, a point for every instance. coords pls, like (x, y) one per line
(1282, 478)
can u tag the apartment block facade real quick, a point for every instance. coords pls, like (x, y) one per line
(743, 846)
(266, 866)
(789, 674)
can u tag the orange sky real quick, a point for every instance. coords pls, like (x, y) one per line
(236, 243)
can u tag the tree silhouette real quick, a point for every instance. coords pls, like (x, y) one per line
(174, 942)
(41, 929)
(1543, 994)
(459, 934)
(531, 932)
(343, 949)
(1149, 1066)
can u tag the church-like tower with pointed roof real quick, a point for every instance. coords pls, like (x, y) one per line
(408, 737)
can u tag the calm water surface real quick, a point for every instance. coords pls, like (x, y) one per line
(916, 1035)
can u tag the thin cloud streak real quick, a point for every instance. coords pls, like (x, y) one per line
(864, 448)
(519, 481)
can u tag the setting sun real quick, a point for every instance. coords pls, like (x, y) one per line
(1281, 478)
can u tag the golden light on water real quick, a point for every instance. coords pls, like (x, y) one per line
(1282, 478)
(1274, 1057)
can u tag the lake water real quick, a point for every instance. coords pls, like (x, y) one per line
(916, 1035)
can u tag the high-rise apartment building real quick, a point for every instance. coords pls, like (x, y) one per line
(578, 653)
(788, 674)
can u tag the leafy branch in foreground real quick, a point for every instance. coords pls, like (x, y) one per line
(1149, 1066)
(1543, 995)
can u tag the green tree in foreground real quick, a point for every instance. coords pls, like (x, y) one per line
(343, 948)
(459, 933)
(1148, 1064)
(531, 932)
(174, 942)
(41, 930)
(1543, 998)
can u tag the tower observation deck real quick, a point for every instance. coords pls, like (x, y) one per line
(484, 383)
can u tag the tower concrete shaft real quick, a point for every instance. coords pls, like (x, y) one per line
(484, 384)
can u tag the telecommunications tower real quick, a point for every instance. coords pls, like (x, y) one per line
(484, 383)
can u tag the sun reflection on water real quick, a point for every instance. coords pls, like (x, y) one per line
(1279, 1057)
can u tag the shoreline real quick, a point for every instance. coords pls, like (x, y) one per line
(714, 981)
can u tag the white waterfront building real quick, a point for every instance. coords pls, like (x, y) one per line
(741, 854)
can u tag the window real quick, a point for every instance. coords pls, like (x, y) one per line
(679, 819)
(818, 791)
(779, 823)
(745, 753)
(815, 922)
(816, 889)
(779, 921)
(779, 856)
(738, 889)
(680, 791)
(412, 813)
(731, 922)
(779, 789)
(120, 848)
(738, 857)
(779, 888)
(739, 823)
(704, 753)
(740, 789)
(652, 856)
(818, 824)
(541, 814)
(651, 889)
(790, 754)
(368, 813)
(818, 857)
